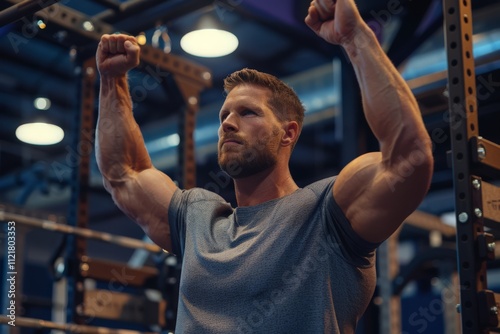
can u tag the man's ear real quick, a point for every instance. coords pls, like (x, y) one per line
(291, 133)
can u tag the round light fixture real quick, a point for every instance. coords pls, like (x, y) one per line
(42, 103)
(209, 43)
(39, 133)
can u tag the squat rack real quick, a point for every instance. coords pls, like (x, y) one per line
(475, 166)
(474, 160)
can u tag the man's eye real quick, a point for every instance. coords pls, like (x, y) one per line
(248, 112)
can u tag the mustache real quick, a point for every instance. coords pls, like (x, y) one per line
(236, 138)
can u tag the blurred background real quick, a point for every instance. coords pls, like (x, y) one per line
(41, 70)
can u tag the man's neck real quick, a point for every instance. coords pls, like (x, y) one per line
(264, 186)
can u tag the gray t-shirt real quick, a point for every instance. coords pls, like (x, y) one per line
(289, 265)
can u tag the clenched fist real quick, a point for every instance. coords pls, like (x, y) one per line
(117, 54)
(325, 8)
(336, 21)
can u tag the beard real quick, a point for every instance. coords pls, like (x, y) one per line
(247, 160)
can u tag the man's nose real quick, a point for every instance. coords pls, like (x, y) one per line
(230, 123)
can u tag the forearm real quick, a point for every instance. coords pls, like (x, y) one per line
(389, 105)
(120, 147)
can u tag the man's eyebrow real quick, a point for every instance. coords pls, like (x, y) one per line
(251, 105)
(244, 105)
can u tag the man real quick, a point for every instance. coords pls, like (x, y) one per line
(287, 259)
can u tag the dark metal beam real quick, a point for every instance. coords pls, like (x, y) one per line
(138, 15)
(303, 37)
(126, 10)
(73, 21)
(24, 8)
(111, 4)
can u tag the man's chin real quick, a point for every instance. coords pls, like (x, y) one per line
(231, 167)
(235, 170)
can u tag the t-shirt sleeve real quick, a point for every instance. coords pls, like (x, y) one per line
(195, 207)
(341, 235)
(177, 220)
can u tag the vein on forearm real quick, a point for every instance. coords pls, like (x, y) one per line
(121, 148)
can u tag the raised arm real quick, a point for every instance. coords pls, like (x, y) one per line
(377, 191)
(140, 190)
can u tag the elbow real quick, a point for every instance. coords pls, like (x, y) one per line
(115, 176)
(427, 170)
(115, 186)
(412, 160)
(409, 148)
(120, 196)
(420, 160)
(113, 190)
(107, 185)
(423, 155)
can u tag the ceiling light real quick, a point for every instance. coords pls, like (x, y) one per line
(209, 43)
(41, 24)
(88, 26)
(39, 133)
(42, 103)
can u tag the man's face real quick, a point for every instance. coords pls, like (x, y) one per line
(249, 134)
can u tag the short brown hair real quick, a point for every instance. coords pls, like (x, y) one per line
(284, 101)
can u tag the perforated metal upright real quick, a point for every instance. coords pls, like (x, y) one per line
(78, 211)
(472, 158)
(388, 267)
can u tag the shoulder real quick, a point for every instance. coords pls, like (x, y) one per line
(199, 201)
(322, 187)
(196, 194)
(315, 196)
(191, 210)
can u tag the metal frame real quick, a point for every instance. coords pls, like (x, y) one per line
(68, 328)
(392, 278)
(130, 308)
(78, 209)
(20, 9)
(387, 267)
(463, 126)
(10, 213)
(478, 308)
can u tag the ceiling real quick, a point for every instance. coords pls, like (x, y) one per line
(273, 38)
